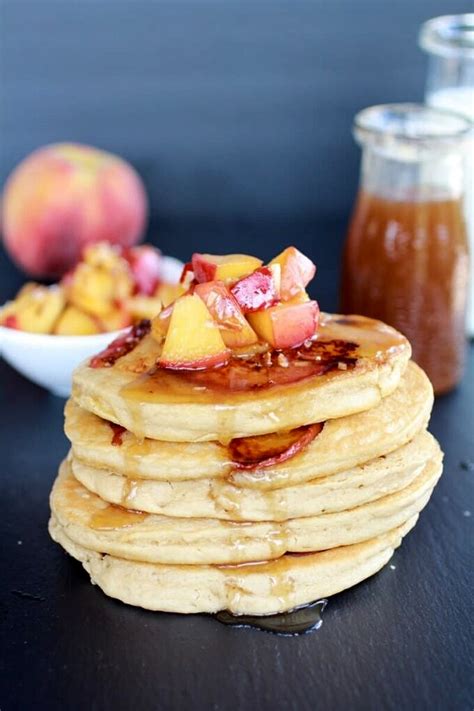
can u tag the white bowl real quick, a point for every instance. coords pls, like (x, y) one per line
(49, 360)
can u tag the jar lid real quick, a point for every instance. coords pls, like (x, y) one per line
(449, 36)
(410, 132)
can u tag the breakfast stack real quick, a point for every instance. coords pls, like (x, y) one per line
(242, 451)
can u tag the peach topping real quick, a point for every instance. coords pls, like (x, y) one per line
(233, 303)
(109, 289)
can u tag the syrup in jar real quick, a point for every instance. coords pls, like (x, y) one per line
(406, 255)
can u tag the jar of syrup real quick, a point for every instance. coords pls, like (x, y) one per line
(406, 254)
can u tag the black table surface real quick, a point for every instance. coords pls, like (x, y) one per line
(401, 640)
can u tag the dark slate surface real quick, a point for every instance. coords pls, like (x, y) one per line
(400, 641)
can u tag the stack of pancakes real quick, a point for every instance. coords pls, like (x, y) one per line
(256, 487)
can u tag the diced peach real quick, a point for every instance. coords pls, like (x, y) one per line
(74, 322)
(296, 272)
(96, 289)
(140, 307)
(227, 267)
(91, 289)
(8, 316)
(193, 341)
(258, 290)
(160, 323)
(145, 263)
(300, 298)
(36, 309)
(27, 289)
(167, 293)
(9, 321)
(286, 325)
(223, 307)
(116, 319)
(187, 275)
(103, 255)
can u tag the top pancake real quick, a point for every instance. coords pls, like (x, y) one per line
(352, 363)
(341, 445)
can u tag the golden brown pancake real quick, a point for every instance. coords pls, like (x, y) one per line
(352, 363)
(106, 528)
(342, 444)
(216, 498)
(262, 588)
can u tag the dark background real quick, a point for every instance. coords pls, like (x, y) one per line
(237, 113)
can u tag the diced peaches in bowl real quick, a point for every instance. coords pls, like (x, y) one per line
(45, 331)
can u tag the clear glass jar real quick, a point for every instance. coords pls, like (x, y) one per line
(449, 42)
(406, 254)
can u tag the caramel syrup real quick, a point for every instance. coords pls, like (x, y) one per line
(106, 518)
(406, 262)
(338, 345)
(121, 346)
(112, 517)
(298, 621)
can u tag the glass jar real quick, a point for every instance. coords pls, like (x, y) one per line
(406, 254)
(449, 42)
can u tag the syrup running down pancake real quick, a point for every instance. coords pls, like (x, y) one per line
(350, 364)
(220, 499)
(341, 444)
(189, 541)
(263, 588)
(242, 452)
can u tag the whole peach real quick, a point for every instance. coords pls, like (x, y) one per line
(64, 196)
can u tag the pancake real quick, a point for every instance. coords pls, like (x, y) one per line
(342, 444)
(99, 526)
(259, 589)
(352, 363)
(216, 498)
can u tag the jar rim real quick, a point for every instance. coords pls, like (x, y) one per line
(411, 123)
(449, 36)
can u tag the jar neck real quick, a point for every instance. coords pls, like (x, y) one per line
(436, 178)
(449, 73)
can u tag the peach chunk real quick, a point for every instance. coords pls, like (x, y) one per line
(258, 290)
(96, 288)
(296, 272)
(227, 267)
(187, 275)
(74, 322)
(286, 325)
(167, 293)
(235, 330)
(160, 323)
(140, 307)
(145, 264)
(193, 341)
(116, 319)
(35, 309)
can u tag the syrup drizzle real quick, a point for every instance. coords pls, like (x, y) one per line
(335, 347)
(298, 621)
(121, 346)
(241, 376)
(112, 517)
